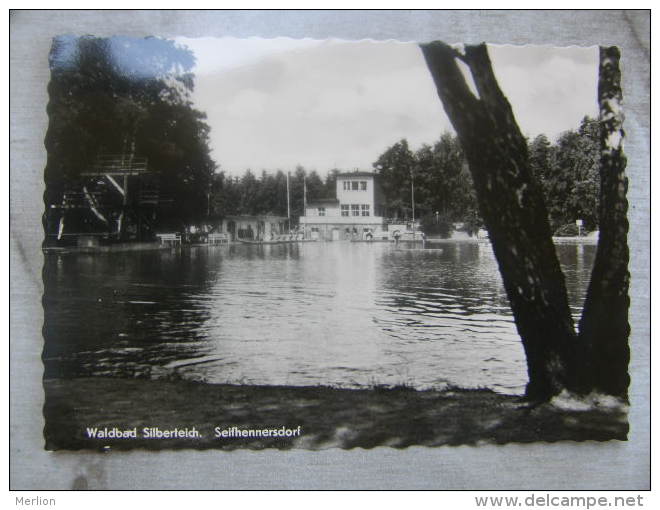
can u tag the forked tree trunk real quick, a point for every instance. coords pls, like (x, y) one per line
(513, 209)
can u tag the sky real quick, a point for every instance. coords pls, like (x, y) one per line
(278, 103)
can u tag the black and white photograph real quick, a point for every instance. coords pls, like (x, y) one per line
(329, 250)
(280, 243)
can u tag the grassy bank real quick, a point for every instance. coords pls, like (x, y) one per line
(328, 417)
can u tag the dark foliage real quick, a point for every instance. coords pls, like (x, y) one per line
(439, 225)
(439, 173)
(566, 170)
(568, 174)
(568, 230)
(268, 193)
(127, 95)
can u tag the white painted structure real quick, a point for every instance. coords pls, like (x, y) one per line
(352, 215)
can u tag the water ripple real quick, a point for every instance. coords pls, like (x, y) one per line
(340, 314)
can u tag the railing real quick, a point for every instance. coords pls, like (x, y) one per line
(218, 238)
(169, 238)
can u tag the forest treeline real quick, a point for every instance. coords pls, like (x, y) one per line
(567, 171)
(121, 94)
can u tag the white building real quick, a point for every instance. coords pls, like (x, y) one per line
(354, 214)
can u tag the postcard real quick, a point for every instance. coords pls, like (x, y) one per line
(278, 243)
(288, 248)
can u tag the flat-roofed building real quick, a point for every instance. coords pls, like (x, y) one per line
(263, 227)
(353, 214)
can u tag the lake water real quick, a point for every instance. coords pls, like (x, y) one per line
(341, 314)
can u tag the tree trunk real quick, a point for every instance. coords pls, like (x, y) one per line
(604, 328)
(513, 209)
(514, 212)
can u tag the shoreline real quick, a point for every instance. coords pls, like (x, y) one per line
(328, 417)
(109, 248)
(126, 247)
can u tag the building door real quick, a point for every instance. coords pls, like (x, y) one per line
(335, 234)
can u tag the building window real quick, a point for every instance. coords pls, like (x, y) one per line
(363, 185)
(315, 229)
(344, 210)
(355, 210)
(354, 185)
(347, 185)
(365, 209)
(321, 211)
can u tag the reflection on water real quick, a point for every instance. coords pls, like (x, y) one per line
(343, 314)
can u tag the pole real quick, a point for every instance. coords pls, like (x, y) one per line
(304, 195)
(208, 199)
(412, 192)
(288, 204)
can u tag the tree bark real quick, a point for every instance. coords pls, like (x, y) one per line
(513, 208)
(604, 328)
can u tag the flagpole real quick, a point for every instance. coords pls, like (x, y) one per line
(288, 205)
(304, 195)
(412, 193)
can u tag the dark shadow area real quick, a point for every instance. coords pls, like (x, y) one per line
(328, 417)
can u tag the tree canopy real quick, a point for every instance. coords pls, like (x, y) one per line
(568, 174)
(121, 95)
(567, 171)
(267, 194)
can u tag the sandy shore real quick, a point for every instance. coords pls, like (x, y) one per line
(327, 417)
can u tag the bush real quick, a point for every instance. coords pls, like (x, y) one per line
(473, 223)
(568, 230)
(436, 226)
